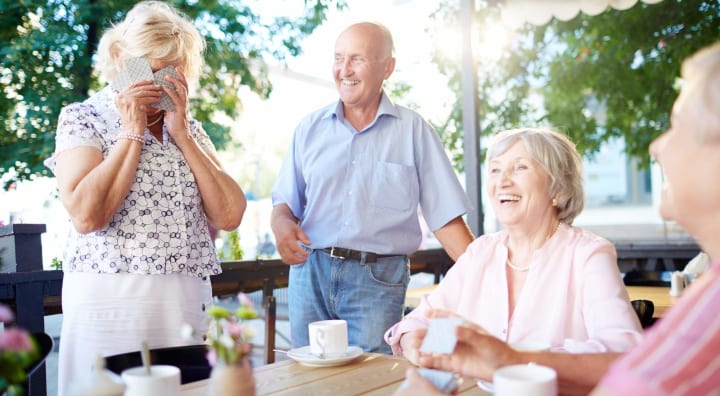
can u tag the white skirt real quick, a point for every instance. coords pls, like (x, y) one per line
(108, 314)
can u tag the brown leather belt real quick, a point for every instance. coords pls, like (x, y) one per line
(343, 254)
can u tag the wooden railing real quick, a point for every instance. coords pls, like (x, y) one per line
(37, 293)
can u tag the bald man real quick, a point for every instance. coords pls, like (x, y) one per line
(345, 204)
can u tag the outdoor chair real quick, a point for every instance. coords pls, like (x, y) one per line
(644, 278)
(644, 310)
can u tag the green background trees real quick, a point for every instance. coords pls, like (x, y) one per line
(48, 47)
(612, 75)
(596, 78)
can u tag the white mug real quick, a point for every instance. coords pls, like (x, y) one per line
(328, 338)
(163, 380)
(525, 379)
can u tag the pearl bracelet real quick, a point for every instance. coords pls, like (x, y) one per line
(131, 136)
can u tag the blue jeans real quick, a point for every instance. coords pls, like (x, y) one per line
(369, 296)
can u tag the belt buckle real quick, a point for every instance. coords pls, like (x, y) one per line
(332, 254)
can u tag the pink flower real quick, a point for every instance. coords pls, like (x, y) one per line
(211, 357)
(14, 339)
(6, 314)
(244, 300)
(234, 329)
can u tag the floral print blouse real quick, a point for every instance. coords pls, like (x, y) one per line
(161, 227)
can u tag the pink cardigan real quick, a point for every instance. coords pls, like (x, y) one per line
(573, 298)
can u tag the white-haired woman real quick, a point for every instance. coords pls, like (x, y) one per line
(539, 279)
(140, 185)
(679, 354)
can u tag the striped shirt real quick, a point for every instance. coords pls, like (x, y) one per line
(681, 353)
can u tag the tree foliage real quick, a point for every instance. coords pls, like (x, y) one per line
(48, 48)
(595, 78)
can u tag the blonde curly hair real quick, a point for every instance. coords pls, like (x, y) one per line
(157, 31)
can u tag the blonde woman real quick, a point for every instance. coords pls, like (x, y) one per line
(141, 185)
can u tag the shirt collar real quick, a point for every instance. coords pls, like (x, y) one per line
(386, 107)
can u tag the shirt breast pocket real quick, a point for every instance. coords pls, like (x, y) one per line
(394, 186)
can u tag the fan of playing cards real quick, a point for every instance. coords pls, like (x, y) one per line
(138, 69)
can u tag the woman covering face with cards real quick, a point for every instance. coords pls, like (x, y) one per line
(141, 182)
(539, 279)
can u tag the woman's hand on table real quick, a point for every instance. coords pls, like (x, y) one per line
(410, 343)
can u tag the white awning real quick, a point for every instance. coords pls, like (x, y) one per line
(539, 12)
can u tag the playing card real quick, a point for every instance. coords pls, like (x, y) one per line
(136, 69)
(444, 381)
(440, 337)
(165, 102)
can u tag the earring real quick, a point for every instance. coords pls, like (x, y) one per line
(554, 202)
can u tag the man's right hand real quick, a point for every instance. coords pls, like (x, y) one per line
(287, 234)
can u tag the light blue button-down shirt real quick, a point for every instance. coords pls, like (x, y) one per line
(361, 190)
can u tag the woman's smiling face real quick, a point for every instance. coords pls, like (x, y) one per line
(518, 187)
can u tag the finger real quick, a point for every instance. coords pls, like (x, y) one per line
(302, 237)
(140, 84)
(442, 313)
(469, 329)
(181, 74)
(180, 101)
(300, 253)
(179, 82)
(440, 362)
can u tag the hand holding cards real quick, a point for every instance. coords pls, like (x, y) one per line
(440, 337)
(138, 69)
(165, 102)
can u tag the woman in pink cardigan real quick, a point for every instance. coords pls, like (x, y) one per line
(539, 279)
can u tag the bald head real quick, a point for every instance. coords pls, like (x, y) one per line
(374, 33)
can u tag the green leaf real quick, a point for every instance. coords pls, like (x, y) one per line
(48, 46)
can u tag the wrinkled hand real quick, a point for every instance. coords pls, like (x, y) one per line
(416, 385)
(133, 103)
(477, 354)
(287, 235)
(176, 121)
(410, 343)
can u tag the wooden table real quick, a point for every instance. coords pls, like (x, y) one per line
(660, 296)
(370, 374)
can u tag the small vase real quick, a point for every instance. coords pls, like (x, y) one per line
(235, 380)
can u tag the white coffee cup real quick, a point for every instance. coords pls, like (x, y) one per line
(328, 338)
(525, 379)
(163, 380)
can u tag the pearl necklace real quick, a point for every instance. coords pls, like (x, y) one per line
(156, 121)
(526, 268)
(517, 268)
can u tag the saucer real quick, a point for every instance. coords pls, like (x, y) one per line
(487, 386)
(304, 357)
